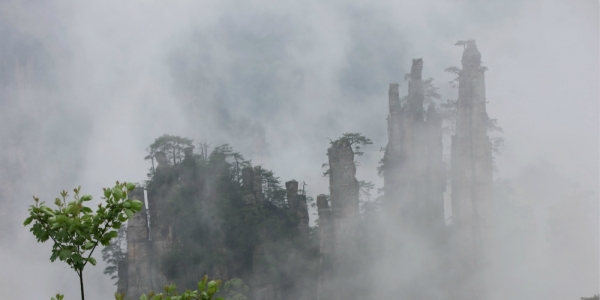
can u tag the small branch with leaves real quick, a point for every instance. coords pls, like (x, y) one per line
(76, 230)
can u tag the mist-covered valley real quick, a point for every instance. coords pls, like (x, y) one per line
(87, 88)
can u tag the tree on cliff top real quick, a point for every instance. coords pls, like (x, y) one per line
(355, 140)
(171, 145)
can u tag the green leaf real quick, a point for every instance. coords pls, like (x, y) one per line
(117, 193)
(77, 258)
(122, 218)
(64, 254)
(213, 287)
(86, 198)
(130, 186)
(170, 288)
(129, 213)
(136, 205)
(111, 234)
(92, 261)
(202, 283)
(27, 221)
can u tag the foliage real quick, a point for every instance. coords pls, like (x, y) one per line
(213, 226)
(327, 171)
(206, 291)
(365, 188)
(75, 230)
(464, 43)
(273, 192)
(368, 205)
(431, 91)
(171, 145)
(115, 253)
(597, 297)
(356, 140)
(456, 71)
(239, 162)
(235, 289)
(449, 111)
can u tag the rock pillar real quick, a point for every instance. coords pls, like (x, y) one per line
(263, 287)
(138, 252)
(471, 174)
(326, 240)
(344, 216)
(414, 183)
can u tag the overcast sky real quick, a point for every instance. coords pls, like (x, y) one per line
(88, 85)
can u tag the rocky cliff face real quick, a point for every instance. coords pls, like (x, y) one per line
(326, 238)
(471, 174)
(339, 225)
(250, 227)
(135, 280)
(209, 216)
(414, 183)
(413, 171)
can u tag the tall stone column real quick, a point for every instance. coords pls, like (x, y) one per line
(213, 190)
(472, 185)
(161, 235)
(298, 207)
(291, 188)
(344, 213)
(414, 183)
(326, 240)
(435, 176)
(405, 160)
(138, 252)
(257, 184)
(253, 198)
(393, 156)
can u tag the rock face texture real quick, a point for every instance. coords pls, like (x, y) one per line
(252, 227)
(137, 270)
(471, 174)
(338, 243)
(298, 207)
(326, 239)
(413, 171)
(414, 184)
(206, 215)
(344, 197)
(161, 235)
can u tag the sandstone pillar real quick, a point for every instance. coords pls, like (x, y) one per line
(471, 174)
(138, 252)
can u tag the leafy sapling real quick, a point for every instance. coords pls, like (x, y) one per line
(76, 230)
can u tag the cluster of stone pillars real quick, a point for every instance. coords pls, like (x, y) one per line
(431, 259)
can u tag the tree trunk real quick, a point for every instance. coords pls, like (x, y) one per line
(81, 284)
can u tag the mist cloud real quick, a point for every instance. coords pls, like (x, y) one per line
(87, 86)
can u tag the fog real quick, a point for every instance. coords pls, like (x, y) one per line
(86, 86)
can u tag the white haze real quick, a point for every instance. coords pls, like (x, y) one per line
(110, 76)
